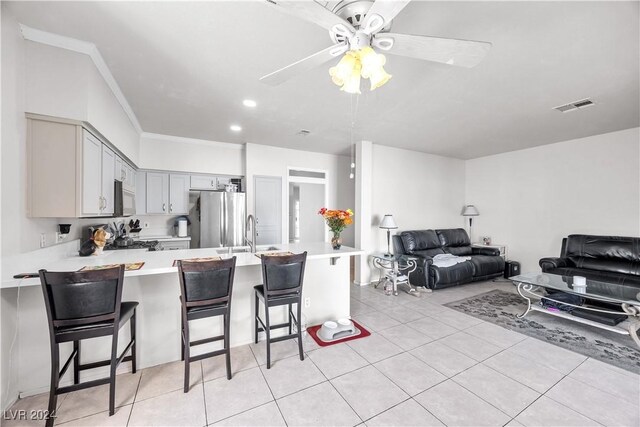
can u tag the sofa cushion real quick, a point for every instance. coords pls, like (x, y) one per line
(428, 252)
(486, 265)
(613, 265)
(419, 240)
(453, 237)
(607, 277)
(612, 247)
(458, 250)
(453, 275)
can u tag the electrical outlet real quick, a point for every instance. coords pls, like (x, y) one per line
(145, 225)
(307, 302)
(60, 237)
(43, 240)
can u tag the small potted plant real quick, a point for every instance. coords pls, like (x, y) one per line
(337, 220)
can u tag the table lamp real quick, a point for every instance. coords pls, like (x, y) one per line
(470, 211)
(388, 223)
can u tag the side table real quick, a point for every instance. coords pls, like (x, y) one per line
(395, 271)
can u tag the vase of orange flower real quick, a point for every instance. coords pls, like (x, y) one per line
(337, 220)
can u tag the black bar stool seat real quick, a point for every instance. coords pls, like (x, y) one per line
(282, 277)
(98, 329)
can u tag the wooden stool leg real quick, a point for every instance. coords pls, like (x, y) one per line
(181, 338)
(290, 319)
(133, 338)
(255, 319)
(227, 321)
(112, 373)
(76, 363)
(55, 380)
(268, 332)
(299, 328)
(187, 357)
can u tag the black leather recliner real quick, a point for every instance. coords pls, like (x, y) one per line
(604, 258)
(423, 245)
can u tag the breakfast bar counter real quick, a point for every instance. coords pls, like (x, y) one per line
(155, 286)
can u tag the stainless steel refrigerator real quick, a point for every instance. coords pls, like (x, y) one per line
(222, 219)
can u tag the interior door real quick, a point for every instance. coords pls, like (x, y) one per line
(268, 208)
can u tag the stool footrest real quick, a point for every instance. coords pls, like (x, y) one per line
(206, 340)
(285, 337)
(82, 386)
(207, 355)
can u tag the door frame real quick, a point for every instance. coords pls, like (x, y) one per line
(307, 180)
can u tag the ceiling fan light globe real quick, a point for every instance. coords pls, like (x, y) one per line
(352, 84)
(379, 78)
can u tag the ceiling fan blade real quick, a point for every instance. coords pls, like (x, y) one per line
(313, 12)
(385, 9)
(305, 64)
(462, 53)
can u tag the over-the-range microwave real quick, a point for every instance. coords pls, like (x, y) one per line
(124, 201)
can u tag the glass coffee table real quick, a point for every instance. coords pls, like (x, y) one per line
(530, 287)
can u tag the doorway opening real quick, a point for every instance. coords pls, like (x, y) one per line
(308, 192)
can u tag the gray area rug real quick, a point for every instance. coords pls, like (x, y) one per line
(500, 308)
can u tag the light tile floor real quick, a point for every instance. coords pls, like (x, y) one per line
(424, 365)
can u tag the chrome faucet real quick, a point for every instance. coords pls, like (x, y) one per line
(251, 221)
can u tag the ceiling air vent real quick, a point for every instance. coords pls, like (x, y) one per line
(303, 132)
(583, 103)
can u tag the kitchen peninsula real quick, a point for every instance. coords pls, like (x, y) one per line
(155, 286)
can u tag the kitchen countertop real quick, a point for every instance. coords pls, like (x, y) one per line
(161, 262)
(162, 238)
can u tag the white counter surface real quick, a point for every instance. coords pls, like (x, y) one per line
(161, 262)
(163, 238)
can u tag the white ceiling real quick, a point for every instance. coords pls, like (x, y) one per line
(185, 68)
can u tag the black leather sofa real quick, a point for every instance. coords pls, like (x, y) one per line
(423, 245)
(604, 258)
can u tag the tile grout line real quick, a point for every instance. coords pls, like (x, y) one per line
(268, 386)
(134, 399)
(204, 395)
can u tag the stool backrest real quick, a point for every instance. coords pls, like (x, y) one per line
(283, 274)
(206, 282)
(75, 298)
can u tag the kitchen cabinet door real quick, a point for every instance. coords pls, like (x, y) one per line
(92, 202)
(203, 182)
(157, 193)
(179, 194)
(129, 182)
(108, 179)
(141, 192)
(118, 171)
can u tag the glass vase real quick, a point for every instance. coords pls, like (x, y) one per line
(336, 242)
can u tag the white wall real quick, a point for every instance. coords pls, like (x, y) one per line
(273, 161)
(421, 191)
(189, 155)
(530, 199)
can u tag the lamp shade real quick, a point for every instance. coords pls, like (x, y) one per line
(470, 210)
(388, 222)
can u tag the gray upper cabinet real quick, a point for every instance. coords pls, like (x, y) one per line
(91, 183)
(70, 169)
(157, 193)
(204, 182)
(108, 179)
(178, 194)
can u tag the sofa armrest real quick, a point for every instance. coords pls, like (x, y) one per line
(551, 262)
(421, 261)
(485, 251)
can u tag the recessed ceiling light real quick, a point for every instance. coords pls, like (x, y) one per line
(235, 128)
(249, 103)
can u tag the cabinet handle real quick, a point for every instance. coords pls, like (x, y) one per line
(164, 207)
(100, 203)
(170, 207)
(213, 184)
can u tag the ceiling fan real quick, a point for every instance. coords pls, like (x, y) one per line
(359, 28)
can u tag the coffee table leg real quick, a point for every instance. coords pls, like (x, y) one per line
(634, 321)
(524, 287)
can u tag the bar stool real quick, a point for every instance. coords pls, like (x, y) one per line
(283, 277)
(82, 305)
(206, 289)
